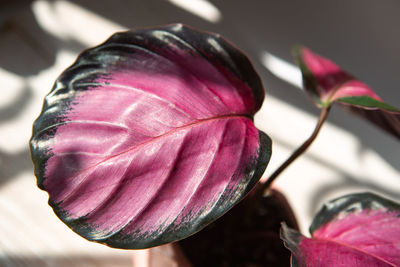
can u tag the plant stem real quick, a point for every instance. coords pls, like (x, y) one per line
(322, 117)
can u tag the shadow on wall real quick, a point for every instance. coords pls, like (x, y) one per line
(12, 164)
(32, 49)
(26, 48)
(348, 181)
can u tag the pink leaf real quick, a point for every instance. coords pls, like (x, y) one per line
(327, 83)
(149, 137)
(354, 230)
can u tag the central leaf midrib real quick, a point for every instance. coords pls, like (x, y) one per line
(152, 139)
(193, 124)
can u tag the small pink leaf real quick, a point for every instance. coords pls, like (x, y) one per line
(149, 137)
(354, 230)
(327, 83)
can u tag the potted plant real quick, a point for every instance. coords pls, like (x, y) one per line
(148, 139)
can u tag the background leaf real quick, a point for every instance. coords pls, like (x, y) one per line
(354, 230)
(149, 137)
(327, 83)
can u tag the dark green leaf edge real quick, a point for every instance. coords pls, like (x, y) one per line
(367, 102)
(352, 203)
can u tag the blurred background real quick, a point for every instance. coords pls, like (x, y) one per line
(39, 39)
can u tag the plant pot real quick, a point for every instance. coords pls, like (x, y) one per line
(244, 236)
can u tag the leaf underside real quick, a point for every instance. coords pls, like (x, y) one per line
(149, 137)
(354, 230)
(327, 83)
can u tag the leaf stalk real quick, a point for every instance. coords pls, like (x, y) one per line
(299, 151)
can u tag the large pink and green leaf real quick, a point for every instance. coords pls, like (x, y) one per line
(327, 83)
(149, 137)
(354, 230)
